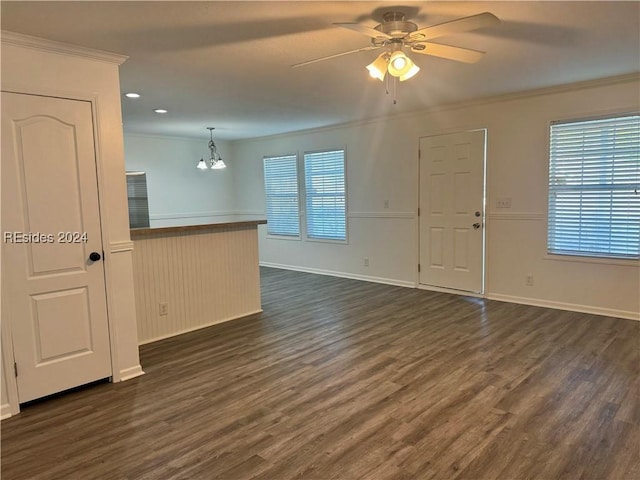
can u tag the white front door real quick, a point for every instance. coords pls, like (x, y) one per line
(53, 294)
(452, 210)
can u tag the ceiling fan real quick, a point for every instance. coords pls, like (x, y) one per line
(395, 34)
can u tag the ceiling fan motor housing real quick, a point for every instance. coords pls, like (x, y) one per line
(395, 25)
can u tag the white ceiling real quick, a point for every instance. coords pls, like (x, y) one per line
(227, 64)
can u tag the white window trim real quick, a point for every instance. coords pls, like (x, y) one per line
(622, 262)
(276, 236)
(581, 117)
(303, 198)
(294, 238)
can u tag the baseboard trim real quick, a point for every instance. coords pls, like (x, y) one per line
(5, 411)
(131, 372)
(333, 273)
(199, 327)
(607, 312)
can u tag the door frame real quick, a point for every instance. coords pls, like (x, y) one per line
(449, 131)
(7, 338)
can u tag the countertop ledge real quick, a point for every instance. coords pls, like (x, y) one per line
(135, 232)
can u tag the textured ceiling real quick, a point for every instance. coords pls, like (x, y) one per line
(227, 64)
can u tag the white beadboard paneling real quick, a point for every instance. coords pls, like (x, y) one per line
(205, 277)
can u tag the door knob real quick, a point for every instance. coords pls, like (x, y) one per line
(94, 256)
(476, 226)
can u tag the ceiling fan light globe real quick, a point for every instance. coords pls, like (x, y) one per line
(399, 64)
(411, 73)
(378, 68)
(375, 73)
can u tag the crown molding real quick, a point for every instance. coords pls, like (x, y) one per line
(42, 44)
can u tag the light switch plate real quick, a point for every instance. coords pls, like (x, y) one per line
(503, 202)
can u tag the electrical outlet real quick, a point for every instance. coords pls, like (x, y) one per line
(504, 202)
(386, 204)
(528, 280)
(163, 308)
(366, 261)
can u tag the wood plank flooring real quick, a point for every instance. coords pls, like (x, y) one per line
(342, 379)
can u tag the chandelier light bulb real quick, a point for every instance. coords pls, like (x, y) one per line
(219, 165)
(202, 165)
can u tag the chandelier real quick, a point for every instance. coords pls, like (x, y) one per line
(215, 161)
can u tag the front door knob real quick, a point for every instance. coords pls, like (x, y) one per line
(94, 256)
(476, 226)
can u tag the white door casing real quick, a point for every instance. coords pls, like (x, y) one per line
(53, 295)
(451, 223)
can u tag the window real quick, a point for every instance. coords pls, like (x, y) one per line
(281, 190)
(137, 199)
(325, 195)
(594, 188)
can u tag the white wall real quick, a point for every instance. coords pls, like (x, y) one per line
(178, 191)
(382, 163)
(377, 170)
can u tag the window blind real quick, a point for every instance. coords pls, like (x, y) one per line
(325, 195)
(137, 199)
(594, 188)
(281, 191)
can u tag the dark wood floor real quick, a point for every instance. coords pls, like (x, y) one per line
(341, 379)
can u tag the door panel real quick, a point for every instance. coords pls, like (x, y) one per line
(52, 343)
(451, 192)
(53, 295)
(51, 184)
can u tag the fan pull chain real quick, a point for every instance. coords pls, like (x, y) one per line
(395, 90)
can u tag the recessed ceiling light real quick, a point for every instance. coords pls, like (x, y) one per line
(132, 95)
(160, 110)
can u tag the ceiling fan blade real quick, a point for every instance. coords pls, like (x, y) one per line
(447, 51)
(460, 25)
(368, 31)
(364, 49)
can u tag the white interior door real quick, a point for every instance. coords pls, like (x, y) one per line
(53, 295)
(452, 210)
